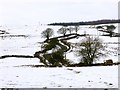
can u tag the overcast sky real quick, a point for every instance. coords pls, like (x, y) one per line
(28, 12)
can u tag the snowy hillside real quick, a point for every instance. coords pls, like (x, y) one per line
(14, 75)
(29, 41)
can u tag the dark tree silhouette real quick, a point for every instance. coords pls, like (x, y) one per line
(107, 29)
(110, 29)
(47, 33)
(76, 29)
(53, 53)
(90, 49)
(62, 30)
(99, 27)
(70, 29)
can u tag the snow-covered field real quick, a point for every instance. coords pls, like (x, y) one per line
(13, 75)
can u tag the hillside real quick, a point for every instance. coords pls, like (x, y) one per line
(97, 22)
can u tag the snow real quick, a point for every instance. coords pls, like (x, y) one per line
(13, 75)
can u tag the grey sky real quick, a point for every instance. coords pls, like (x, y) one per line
(22, 12)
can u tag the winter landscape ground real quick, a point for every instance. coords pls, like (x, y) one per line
(18, 73)
(12, 75)
(21, 24)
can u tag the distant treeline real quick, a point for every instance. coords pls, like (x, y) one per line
(105, 21)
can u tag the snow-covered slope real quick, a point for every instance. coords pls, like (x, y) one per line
(30, 44)
(14, 76)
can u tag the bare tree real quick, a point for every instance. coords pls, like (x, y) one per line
(77, 28)
(47, 33)
(90, 49)
(70, 29)
(62, 30)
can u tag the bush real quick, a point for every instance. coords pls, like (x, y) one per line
(108, 62)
